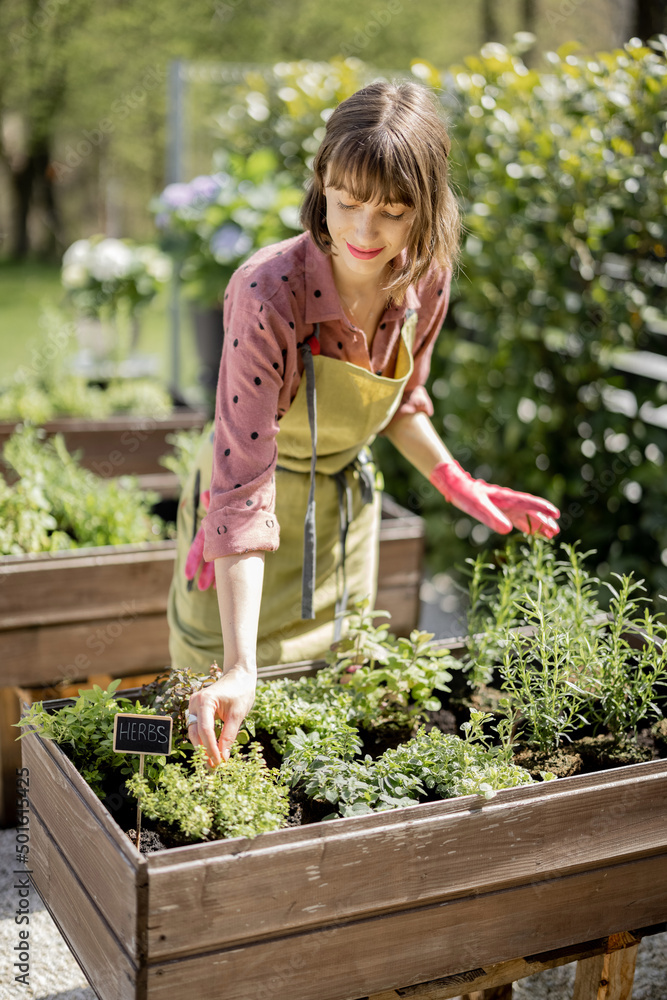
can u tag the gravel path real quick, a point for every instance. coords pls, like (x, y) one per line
(55, 974)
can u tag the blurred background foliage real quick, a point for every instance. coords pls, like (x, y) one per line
(562, 179)
(559, 160)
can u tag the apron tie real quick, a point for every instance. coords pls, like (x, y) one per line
(309, 531)
(367, 485)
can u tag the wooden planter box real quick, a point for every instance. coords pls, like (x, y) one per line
(122, 445)
(355, 906)
(65, 616)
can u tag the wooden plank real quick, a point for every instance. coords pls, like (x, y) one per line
(119, 445)
(67, 803)
(496, 976)
(402, 603)
(444, 810)
(121, 647)
(340, 872)
(357, 958)
(609, 976)
(98, 950)
(167, 484)
(400, 558)
(86, 584)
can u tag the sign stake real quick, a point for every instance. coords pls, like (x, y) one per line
(142, 734)
(141, 774)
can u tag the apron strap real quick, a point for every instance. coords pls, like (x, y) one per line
(309, 534)
(345, 516)
(367, 484)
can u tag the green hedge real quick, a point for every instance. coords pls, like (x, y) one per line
(562, 178)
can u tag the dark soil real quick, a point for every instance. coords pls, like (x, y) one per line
(445, 720)
(149, 841)
(376, 741)
(562, 763)
(605, 751)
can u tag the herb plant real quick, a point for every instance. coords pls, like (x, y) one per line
(572, 665)
(242, 799)
(436, 765)
(285, 706)
(72, 506)
(527, 567)
(626, 680)
(84, 730)
(391, 680)
(539, 676)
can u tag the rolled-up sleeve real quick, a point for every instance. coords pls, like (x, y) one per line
(241, 516)
(434, 299)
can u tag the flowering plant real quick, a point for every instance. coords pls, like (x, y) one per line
(103, 276)
(214, 222)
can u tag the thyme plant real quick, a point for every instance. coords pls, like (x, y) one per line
(242, 799)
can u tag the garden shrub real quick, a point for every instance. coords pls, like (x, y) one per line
(561, 174)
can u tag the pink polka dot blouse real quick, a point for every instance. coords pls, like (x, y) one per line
(271, 305)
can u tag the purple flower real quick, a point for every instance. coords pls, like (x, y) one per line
(162, 220)
(176, 195)
(229, 243)
(204, 188)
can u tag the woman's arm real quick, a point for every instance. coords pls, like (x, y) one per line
(239, 581)
(498, 507)
(417, 440)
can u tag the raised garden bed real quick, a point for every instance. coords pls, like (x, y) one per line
(420, 882)
(122, 445)
(406, 896)
(104, 613)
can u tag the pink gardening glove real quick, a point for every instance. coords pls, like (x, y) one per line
(195, 557)
(496, 506)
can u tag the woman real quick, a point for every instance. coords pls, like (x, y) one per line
(328, 340)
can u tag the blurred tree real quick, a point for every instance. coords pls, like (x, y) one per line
(34, 39)
(490, 30)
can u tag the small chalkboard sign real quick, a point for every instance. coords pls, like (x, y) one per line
(142, 733)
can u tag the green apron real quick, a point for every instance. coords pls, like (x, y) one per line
(352, 406)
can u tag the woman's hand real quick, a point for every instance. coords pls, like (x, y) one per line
(229, 699)
(496, 506)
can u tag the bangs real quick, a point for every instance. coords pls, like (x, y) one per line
(372, 171)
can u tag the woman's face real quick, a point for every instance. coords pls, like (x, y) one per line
(366, 235)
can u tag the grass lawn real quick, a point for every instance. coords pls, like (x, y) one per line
(27, 288)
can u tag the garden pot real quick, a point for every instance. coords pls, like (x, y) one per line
(360, 905)
(65, 616)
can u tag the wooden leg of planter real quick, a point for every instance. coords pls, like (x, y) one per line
(10, 754)
(609, 976)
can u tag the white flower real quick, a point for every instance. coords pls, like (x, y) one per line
(74, 276)
(78, 253)
(157, 264)
(111, 259)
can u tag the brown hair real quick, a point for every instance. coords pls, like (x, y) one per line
(387, 143)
